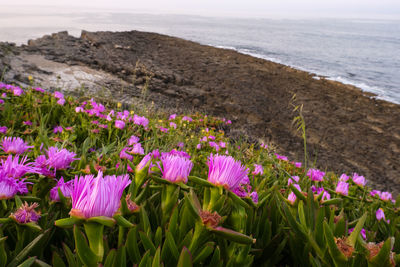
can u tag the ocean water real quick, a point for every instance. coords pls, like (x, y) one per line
(364, 53)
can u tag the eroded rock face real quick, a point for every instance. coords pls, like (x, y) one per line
(347, 131)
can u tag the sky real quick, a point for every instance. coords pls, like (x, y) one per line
(241, 8)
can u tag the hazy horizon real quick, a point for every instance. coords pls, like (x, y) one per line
(287, 9)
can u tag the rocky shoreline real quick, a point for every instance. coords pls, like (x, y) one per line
(347, 130)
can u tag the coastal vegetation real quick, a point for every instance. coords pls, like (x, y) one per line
(85, 182)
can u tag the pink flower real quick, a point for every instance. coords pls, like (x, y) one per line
(362, 232)
(359, 180)
(58, 95)
(226, 171)
(13, 167)
(14, 145)
(26, 213)
(198, 146)
(144, 162)
(298, 164)
(380, 214)
(3, 129)
(124, 155)
(172, 117)
(284, 158)
(292, 196)
(228, 122)
(119, 124)
(104, 126)
(186, 118)
(172, 124)
(344, 177)
(211, 137)
(254, 196)
(140, 120)
(10, 186)
(295, 178)
(61, 101)
(38, 89)
(222, 144)
(59, 159)
(58, 129)
(316, 175)
(175, 168)
(214, 145)
(342, 188)
(181, 144)
(375, 192)
(66, 189)
(137, 149)
(93, 197)
(164, 130)
(79, 109)
(386, 196)
(17, 91)
(29, 123)
(133, 140)
(258, 169)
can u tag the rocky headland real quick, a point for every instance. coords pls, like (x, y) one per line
(347, 130)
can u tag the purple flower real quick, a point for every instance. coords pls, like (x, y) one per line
(79, 109)
(137, 149)
(359, 180)
(342, 188)
(172, 117)
(211, 137)
(61, 101)
(226, 171)
(10, 186)
(164, 130)
(325, 196)
(292, 196)
(380, 214)
(296, 178)
(228, 122)
(186, 118)
(172, 124)
(58, 129)
(133, 140)
(14, 145)
(198, 146)
(344, 177)
(258, 169)
(317, 190)
(104, 126)
(12, 167)
(362, 232)
(29, 123)
(143, 162)
(26, 213)
(375, 192)
(38, 89)
(214, 145)
(175, 168)
(3, 129)
(124, 155)
(58, 95)
(386, 196)
(298, 164)
(140, 120)
(66, 189)
(92, 197)
(176, 153)
(254, 196)
(119, 124)
(59, 159)
(17, 91)
(316, 175)
(180, 144)
(222, 144)
(284, 158)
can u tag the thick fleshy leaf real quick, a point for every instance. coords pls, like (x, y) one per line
(106, 221)
(200, 181)
(132, 245)
(68, 222)
(185, 259)
(233, 235)
(338, 257)
(86, 255)
(354, 235)
(121, 221)
(382, 259)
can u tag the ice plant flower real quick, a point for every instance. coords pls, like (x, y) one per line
(186, 118)
(26, 214)
(380, 214)
(198, 146)
(140, 120)
(61, 101)
(292, 196)
(119, 124)
(280, 157)
(362, 232)
(258, 169)
(175, 168)
(93, 197)
(65, 187)
(133, 140)
(3, 129)
(59, 159)
(29, 123)
(13, 167)
(298, 164)
(359, 180)
(172, 124)
(124, 155)
(226, 171)
(386, 196)
(172, 117)
(344, 177)
(58, 129)
(9, 187)
(14, 145)
(342, 188)
(137, 149)
(316, 175)
(143, 162)
(295, 178)
(58, 95)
